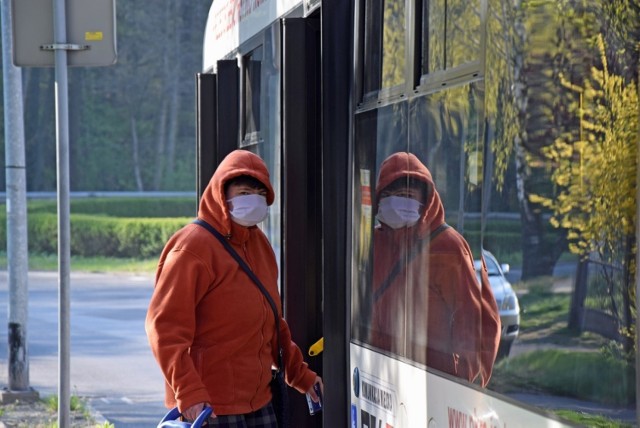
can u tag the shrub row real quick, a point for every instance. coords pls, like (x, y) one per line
(100, 235)
(139, 227)
(122, 207)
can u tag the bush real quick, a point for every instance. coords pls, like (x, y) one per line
(122, 207)
(101, 235)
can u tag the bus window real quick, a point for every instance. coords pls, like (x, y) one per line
(260, 127)
(384, 60)
(393, 277)
(451, 34)
(393, 43)
(251, 80)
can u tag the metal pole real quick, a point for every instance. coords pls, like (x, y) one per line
(17, 260)
(64, 235)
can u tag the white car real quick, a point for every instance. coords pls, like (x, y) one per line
(505, 298)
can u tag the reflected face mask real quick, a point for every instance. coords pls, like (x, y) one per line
(397, 212)
(248, 210)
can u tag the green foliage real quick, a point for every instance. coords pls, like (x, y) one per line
(393, 44)
(592, 421)
(103, 233)
(130, 124)
(75, 403)
(122, 206)
(595, 175)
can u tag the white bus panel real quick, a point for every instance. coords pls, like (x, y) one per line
(233, 22)
(388, 393)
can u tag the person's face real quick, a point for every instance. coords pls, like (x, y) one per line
(412, 192)
(242, 190)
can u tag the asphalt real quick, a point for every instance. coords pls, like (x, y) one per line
(111, 363)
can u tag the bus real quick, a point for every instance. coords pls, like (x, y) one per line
(525, 113)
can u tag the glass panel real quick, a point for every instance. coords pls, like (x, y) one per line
(262, 119)
(372, 47)
(463, 32)
(434, 29)
(393, 43)
(400, 278)
(537, 169)
(252, 81)
(378, 134)
(451, 33)
(562, 115)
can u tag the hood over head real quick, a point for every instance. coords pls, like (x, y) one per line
(213, 204)
(407, 165)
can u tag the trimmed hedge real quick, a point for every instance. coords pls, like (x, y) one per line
(140, 227)
(122, 207)
(101, 235)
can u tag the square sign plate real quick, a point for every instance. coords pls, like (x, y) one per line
(90, 24)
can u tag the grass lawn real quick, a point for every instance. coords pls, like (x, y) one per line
(560, 362)
(89, 264)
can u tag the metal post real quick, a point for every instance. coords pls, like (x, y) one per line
(17, 260)
(64, 235)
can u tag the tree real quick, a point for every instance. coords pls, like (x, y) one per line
(131, 124)
(596, 178)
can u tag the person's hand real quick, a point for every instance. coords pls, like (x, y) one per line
(312, 392)
(194, 411)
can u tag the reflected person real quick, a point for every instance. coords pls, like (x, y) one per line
(427, 302)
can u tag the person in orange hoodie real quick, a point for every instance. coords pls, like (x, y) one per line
(427, 302)
(210, 328)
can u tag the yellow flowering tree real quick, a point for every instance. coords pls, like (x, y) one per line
(595, 177)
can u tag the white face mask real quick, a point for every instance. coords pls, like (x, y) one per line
(248, 210)
(397, 212)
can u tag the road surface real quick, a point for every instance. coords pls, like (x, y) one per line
(111, 363)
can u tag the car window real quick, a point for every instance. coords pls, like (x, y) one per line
(492, 267)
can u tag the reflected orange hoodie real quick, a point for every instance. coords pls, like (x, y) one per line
(449, 320)
(210, 328)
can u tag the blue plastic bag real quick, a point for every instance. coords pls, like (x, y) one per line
(170, 420)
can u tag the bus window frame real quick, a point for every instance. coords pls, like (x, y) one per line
(254, 138)
(368, 53)
(416, 83)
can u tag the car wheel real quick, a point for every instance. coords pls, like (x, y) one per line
(504, 349)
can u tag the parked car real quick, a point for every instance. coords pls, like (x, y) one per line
(506, 299)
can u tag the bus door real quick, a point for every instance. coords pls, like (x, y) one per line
(265, 98)
(217, 119)
(302, 195)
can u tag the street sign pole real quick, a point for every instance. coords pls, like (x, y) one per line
(93, 24)
(64, 234)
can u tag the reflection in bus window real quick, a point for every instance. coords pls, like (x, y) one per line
(427, 303)
(409, 291)
(252, 79)
(393, 43)
(261, 123)
(451, 33)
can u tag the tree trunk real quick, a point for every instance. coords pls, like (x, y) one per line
(161, 142)
(135, 157)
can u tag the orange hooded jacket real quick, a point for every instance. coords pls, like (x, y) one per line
(210, 328)
(434, 311)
